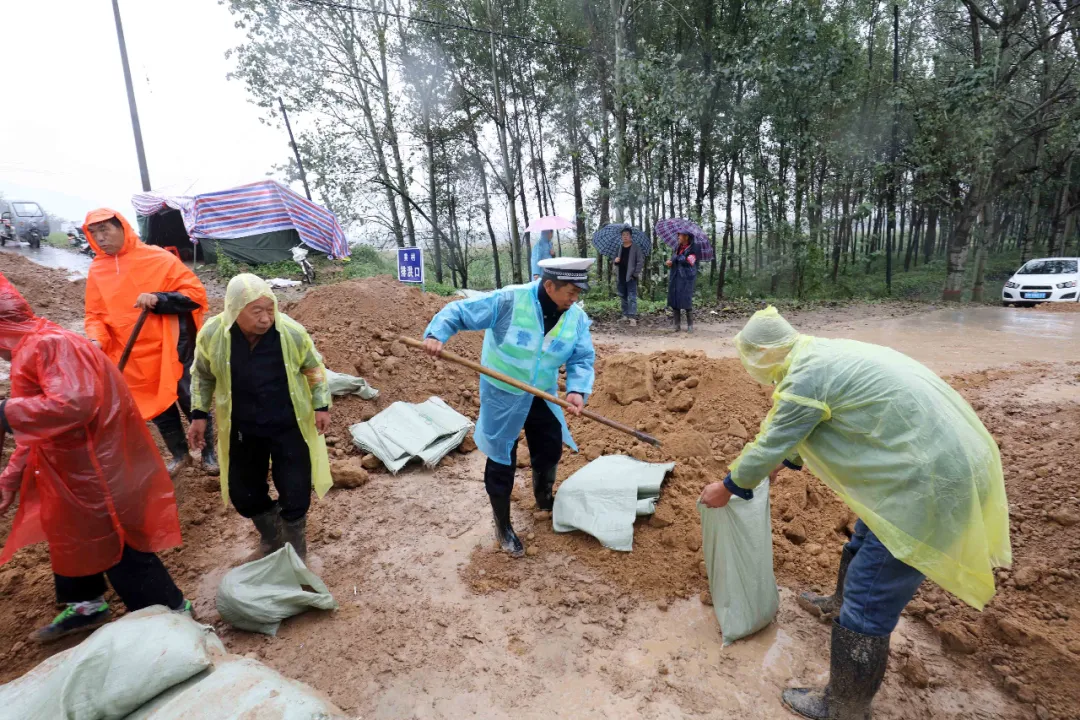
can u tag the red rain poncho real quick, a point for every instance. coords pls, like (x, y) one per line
(112, 285)
(90, 479)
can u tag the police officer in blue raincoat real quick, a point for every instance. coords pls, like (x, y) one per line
(531, 332)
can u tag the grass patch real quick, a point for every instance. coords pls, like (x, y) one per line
(58, 240)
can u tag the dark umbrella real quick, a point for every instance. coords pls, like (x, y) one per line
(608, 239)
(669, 230)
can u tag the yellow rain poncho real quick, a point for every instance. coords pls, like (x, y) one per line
(211, 377)
(893, 440)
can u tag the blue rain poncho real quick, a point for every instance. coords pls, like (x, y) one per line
(542, 250)
(893, 440)
(515, 344)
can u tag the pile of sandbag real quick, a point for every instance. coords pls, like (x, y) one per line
(157, 665)
(403, 431)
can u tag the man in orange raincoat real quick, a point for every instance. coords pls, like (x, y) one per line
(91, 481)
(127, 277)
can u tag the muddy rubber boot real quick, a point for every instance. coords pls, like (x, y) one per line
(270, 533)
(689, 321)
(295, 533)
(210, 461)
(827, 607)
(543, 481)
(856, 668)
(504, 533)
(675, 324)
(176, 441)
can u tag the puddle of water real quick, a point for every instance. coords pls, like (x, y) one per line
(76, 264)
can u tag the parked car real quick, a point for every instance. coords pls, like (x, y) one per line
(29, 221)
(1043, 280)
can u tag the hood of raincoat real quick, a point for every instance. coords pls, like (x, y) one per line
(765, 344)
(17, 319)
(243, 290)
(113, 285)
(89, 477)
(131, 238)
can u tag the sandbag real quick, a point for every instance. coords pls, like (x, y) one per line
(258, 595)
(237, 688)
(606, 496)
(114, 671)
(737, 540)
(429, 430)
(342, 384)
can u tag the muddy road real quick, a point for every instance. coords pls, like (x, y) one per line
(435, 624)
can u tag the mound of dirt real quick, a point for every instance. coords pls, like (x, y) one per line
(48, 290)
(355, 325)
(1058, 307)
(1029, 633)
(724, 408)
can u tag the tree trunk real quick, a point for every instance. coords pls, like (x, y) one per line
(478, 163)
(392, 138)
(931, 233)
(729, 237)
(958, 248)
(508, 172)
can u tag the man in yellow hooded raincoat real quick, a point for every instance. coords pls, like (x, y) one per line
(273, 407)
(908, 455)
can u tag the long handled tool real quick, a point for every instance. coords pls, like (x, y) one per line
(131, 340)
(447, 355)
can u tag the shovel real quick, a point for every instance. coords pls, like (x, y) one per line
(131, 340)
(447, 355)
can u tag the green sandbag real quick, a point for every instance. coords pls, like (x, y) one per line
(257, 596)
(606, 496)
(737, 540)
(342, 384)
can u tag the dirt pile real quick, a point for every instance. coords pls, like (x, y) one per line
(1029, 634)
(48, 290)
(355, 325)
(1058, 307)
(703, 410)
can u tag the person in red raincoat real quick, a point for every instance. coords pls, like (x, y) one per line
(127, 277)
(89, 476)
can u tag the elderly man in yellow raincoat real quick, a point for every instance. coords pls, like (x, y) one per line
(908, 455)
(273, 407)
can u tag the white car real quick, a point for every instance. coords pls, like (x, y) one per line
(1043, 280)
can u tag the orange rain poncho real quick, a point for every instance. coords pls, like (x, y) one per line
(113, 284)
(90, 479)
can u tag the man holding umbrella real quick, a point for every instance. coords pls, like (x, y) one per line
(690, 245)
(531, 331)
(630, 262)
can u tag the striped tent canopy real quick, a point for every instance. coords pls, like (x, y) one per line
(263, 207)
(150, 203)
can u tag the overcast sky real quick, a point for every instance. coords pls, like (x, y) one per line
(65, 130)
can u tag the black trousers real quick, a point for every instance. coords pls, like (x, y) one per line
(140, 579)
(285, 455)
(169, 423)
(543, 433)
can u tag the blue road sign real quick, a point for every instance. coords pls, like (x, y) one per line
(410, 265)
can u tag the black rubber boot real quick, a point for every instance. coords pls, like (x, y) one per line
(210, 461)
(295, 534)
(176, 441)
(269, 526)
(675, 323)
(856, 669)
(504, 533)
(689, 321)
(543, 482)
(827, 607)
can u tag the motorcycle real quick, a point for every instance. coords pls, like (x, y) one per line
(299, 255)
(79, 243)
(34, 238)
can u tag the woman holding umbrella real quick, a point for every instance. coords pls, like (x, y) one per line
(690, 245)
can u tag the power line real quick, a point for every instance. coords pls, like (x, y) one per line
(439, 23)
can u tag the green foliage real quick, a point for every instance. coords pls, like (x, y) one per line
(227, 268)
(58, 239)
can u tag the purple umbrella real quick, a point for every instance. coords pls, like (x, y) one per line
(669, 230)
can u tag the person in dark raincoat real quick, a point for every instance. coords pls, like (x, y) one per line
(682, 275)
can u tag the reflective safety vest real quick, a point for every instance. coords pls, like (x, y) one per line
(525, 353)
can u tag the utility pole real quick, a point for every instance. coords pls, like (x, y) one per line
(890, 234)
(296, 151)
(143, 171)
